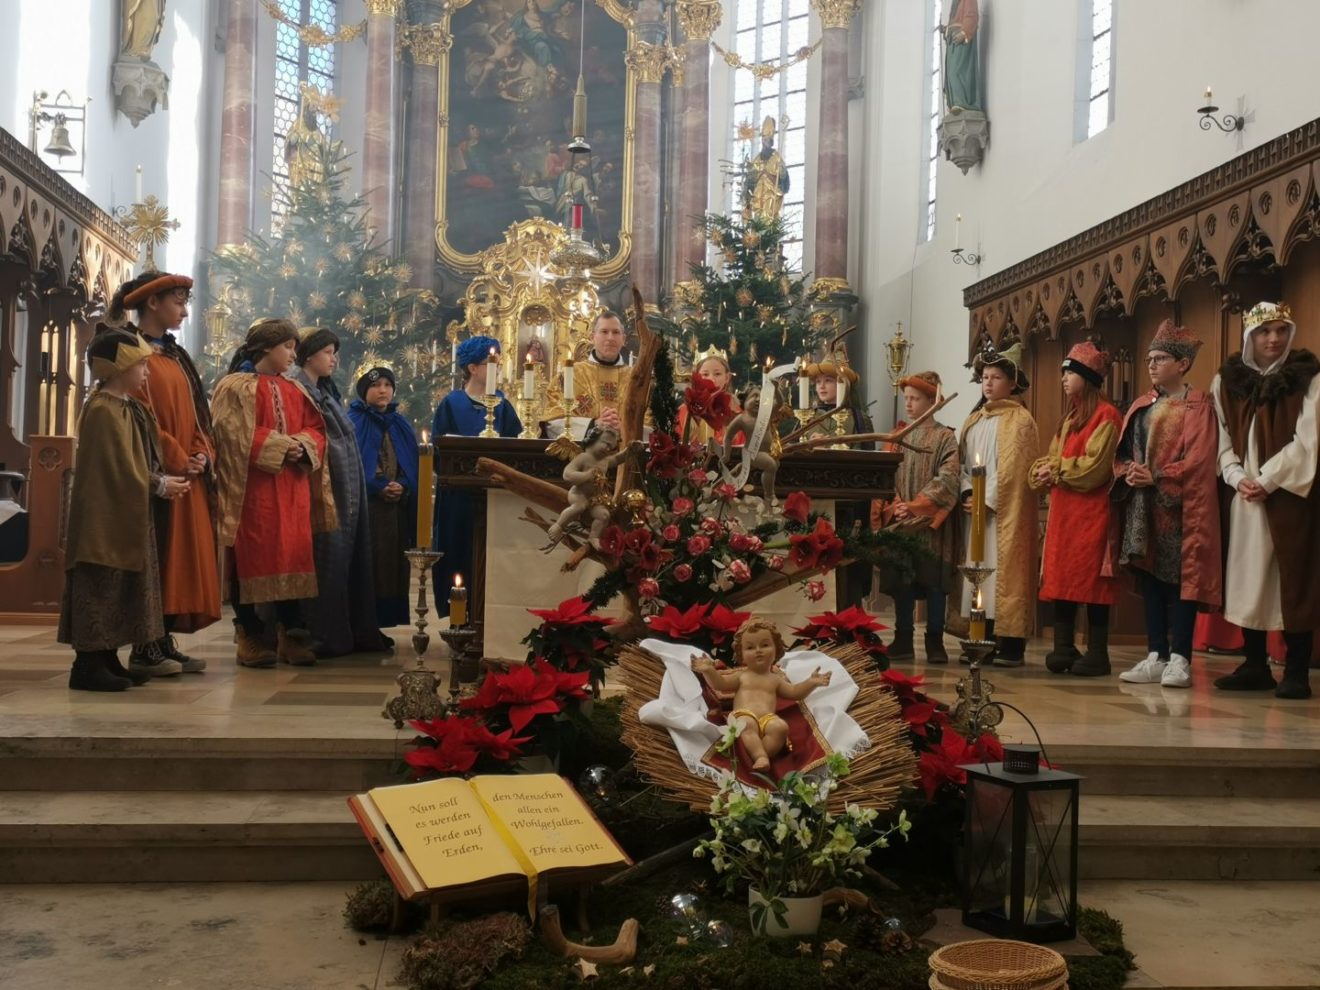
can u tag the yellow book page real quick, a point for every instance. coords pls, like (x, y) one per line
(547, 820)
(445, 832)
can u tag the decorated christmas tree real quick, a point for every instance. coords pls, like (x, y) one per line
(321, 269)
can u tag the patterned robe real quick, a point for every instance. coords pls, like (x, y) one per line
(928, 481)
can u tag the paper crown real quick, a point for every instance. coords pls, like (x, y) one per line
(130, 348)
(1174, 340)
(1266, 312)
(701, 357)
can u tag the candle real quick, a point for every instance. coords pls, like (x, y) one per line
(957, 230)
(1208, 96)
(137, 187)
(529, 379)
(977, 548)
(569, 395)
(977, 630)
(492, 372)
(457, 603)
(453, 356)
(843, 390)
(433, 355)
(426, 490)
(804, 386)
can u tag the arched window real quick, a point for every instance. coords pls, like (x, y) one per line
(296, 63)
(934, 106)
(771, 31)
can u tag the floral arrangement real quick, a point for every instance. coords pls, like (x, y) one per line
(785, 842)
(852, 626)
(460, 745)
(571, 638)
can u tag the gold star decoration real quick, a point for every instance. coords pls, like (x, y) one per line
(648, 969)
(356, 299)
(316, 300)
(373, 336)
(681, 940)
(403, 273)
(832, 952)
(585, 970)
(804, 949)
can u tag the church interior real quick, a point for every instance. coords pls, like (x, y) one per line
(467, 396)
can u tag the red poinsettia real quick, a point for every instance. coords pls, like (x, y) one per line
(453, 745)
(853, 623)
(723, 622)
(678, 624)
(821, 548)
(797, 507)
(570, 612)
(528, 690)
(903, 685)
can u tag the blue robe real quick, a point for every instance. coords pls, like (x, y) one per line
(461, 415)
(393, 524)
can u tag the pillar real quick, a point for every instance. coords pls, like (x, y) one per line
(831, 256)
(699, 18)
(427, 41)
(378, 174)
(648, 58)
(238, 123)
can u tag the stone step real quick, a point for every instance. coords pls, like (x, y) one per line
(1137, 837)
(170, 836)
(1192, 771)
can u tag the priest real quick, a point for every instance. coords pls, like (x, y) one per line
(600, 383)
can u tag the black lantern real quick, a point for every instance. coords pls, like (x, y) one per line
(1020, 852)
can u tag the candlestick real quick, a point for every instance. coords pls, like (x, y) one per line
(425, 491)
(492, 373)
(491, 401)
(976, 551)
(569, 394)
(840, 418)
(417, 698)
(529, 379)
(458, 599)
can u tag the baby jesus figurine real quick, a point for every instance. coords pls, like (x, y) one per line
(757, 685)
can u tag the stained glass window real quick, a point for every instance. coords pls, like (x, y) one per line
(297, 63)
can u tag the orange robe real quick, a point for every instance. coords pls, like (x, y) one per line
(190, 570)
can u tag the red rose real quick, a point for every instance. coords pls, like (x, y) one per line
(740, 571)
(698, 545)
(726, 492)
(740, 542)
(671, 533)
(682, 572)
(712, 527)
(776, 562)
(648, 588)
(755, 544)
(682, 506)
(815, 590)
(797, 507)
(698, 478)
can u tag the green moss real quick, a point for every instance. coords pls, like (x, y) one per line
(461, 955)
(369, 906)
(1096, 972)
(1105, 933)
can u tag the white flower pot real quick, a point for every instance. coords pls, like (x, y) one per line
(801, 915)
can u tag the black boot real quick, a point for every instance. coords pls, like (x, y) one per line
(136, 677)
(1095, 661)
(1296, 683)
(1061, 659)
(935, 651)
(91, 672)
(1253, 674)
(1011, 651)
(902, 647)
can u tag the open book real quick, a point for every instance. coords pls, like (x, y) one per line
(484, 836)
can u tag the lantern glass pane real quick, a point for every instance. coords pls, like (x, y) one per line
(990, 848)
(1048, 852)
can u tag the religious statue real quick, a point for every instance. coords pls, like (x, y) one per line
(140, 29)
(962, 87)
(757, 685)
(302, 148)
(767, 177)
(761, 453)
(591, 491)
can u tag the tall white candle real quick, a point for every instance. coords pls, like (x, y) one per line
(492, 372)
(957, 231)
(568, 380)
(804, 386)
(529, 380)
(842, 392)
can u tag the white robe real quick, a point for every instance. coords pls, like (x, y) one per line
(1252, 597)
(982, 446)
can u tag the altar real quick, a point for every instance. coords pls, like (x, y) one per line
(511, 573)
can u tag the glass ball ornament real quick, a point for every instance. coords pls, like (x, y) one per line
(719, 933)
(893, 925)
(596, 784)
(688, 909)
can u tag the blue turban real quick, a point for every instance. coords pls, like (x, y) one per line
(474, 350)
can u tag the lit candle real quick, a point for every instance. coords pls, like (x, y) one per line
(457, 603)
(569, 394)
(529, 379)
(425, 489)
(492, 372)
(977, 630)
(842, 390)
(137, 186)
(977, 548)
(1208, 96)
(957, 230)
(804, 386)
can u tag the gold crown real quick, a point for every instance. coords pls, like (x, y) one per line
(1266, 312)
(710, 352)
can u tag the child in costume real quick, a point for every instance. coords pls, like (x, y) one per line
(343, 615)
(1165, 495)
(1078, 471)
(190, 568)
(274, 491)
(462, 413)
(713, 365)
(112, 585)
(388, 448)
(1001, 436)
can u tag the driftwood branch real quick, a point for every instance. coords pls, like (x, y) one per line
(624, 949)
(893, 437)
(680, 853)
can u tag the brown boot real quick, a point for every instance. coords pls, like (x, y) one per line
(294, 647)
(935, 651)
(252, 652)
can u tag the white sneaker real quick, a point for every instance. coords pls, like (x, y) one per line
(1149, 671)
(1177, 673)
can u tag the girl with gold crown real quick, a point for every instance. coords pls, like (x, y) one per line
(713, 365)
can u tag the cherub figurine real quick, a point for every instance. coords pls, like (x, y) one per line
(764, 460)
(586, 472)
(757, 685)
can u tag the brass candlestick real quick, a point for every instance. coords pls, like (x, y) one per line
(804, 416)
(491, 403)
(417, 697)
(840, 417)
(974, 704)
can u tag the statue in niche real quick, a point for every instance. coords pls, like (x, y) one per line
(141, 27)
(962, 84)
(767, 177)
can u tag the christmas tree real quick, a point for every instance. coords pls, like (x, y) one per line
(753, 305)
(321, 269)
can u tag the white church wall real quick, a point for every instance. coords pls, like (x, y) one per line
(1038, 185)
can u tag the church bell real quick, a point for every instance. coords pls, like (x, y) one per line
(60, 145)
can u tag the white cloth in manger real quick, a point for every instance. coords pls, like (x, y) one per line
(681, 709)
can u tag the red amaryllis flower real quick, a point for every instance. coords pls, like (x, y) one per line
(528, 690)
(569, 612)
(682, 506)
(611, 542)
(636, 540)
(667, 457)
(820, 548)
(740, 571)
(815, 590)
(678, 625)
(671, 533)
(682, 572)
(648, 587)
(698, 545)
(651, 557)
(797, 507)
(723, 622)
(708, 402)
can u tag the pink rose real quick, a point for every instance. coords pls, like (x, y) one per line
(815, 590)
(682, 506)
(776, 562)
(649, 587)
(712, 526)
(740, 542)
(670, 533)
(682, 572)
(755, 544)
(740, 571)
(698, 478)
(698, 545)
(726, 491)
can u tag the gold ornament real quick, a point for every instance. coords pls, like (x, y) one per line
(403, 273)
(765, 313)
(744, 296)
(751, 238)
(730, 255)
(836, 13)
(357, 300)
(373, 336)
(288, 271)
(316, 300)
(321, 267)
(344, 252)
(700, 18)
(311, 34)
(427, 42)
(634, 501)
(766, 70)
(352, 322)
(701, 357)
(784, 285)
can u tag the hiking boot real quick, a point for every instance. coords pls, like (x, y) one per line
(294, 647)
(902, 647)
(1095, 661)
(1250, 676)
(1060, 659)
(136, 677)
(935, 651)
(1149, 671)
(191, 665)
(251, 651)
(150, 660)
(91, 672)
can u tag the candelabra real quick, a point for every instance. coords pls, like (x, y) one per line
(961, 257)
(417, 697)
(898, 348)
(974, 705)
(492, 403)
(804, 416)
(1229, 123)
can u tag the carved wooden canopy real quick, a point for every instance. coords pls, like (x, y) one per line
(1255, 208)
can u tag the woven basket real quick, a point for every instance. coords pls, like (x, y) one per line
(997, 964)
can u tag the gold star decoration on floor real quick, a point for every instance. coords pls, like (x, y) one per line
(832, 952)
(585, 970)
(804, 949)
(648, 969)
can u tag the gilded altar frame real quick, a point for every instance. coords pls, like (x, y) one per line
(464, 263)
